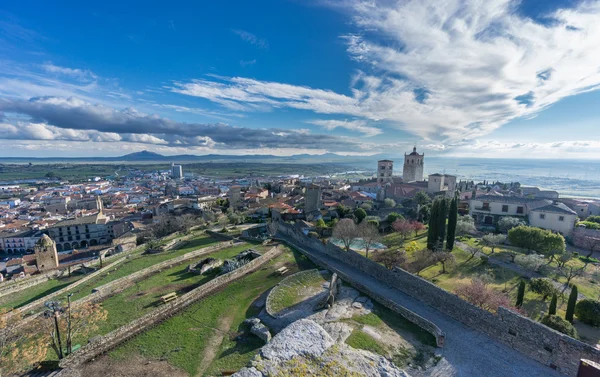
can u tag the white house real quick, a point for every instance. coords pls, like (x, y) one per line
(488, 209)
(556, 217)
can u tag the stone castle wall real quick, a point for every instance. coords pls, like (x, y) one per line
(114, 338)
(15, 285)
(531, 338)
(586, 238)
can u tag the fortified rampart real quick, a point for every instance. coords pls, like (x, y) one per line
(531, 338)
(114, 338)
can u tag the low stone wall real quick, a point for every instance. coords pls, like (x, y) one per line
(219, 235)
(124, 333)
(15, 285)
(586, 238)
(116, 286)
(531, 338)
(280, 285)
(38, 303)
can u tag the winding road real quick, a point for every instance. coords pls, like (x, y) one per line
(467, 352)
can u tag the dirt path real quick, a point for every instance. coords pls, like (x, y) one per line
(214, 343)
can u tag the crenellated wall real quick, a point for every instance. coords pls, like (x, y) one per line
(531, 338)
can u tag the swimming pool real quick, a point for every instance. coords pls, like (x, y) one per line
(358, 244)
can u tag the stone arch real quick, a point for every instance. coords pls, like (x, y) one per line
(75, 245)
(59, 247)
(84, 244)
(67, 246)
(9, 251)
(93, 242)
(102, 240)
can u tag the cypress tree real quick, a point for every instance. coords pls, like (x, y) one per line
(520, 294)
(441, 230)
(433, 224)
(571, 304)
(452, 219)
(552, 308)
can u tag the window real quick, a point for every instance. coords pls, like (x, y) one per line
(505, 208)
(542, 216)
(486, 205)
(520, 210)
(561, 218)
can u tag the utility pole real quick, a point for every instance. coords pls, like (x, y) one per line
(69, 343)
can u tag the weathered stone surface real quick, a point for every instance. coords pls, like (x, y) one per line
(303, 337)
(357, 305)
(248, 372)
(261, 331)
(252, 321)
(338, 331)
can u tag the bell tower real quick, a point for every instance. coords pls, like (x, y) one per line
(413, 166)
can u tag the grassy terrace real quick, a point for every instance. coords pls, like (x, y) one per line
(201, 340)
(136, 262)
(295, 289)
(506, 280)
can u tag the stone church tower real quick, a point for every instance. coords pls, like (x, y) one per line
(46, 257)
(413, 166)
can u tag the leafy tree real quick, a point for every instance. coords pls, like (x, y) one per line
(442, 215)
(389, 203)
(560, 325)
(473, 250)
(452, 220)
(345, 230)
(433, 232)
(553, 304)
(590, 224)
(360, 214)
(392, 217)
(588, 311)
(531, 238)
(542, 286)
(421, 198)
(313, 234)
(342, 210)
(444, 258)
(520, 294)
(570, 272)
(465, 225)
(493, 240)
(507, 223)
(321, 224)
(366, 206)
(369, 234)
(531, 262)
(571, 304)
(593, 219)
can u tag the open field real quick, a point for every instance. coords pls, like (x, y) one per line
(85, 170)
(187, 339)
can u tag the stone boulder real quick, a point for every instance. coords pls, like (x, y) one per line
(303, 337)
(261, 331)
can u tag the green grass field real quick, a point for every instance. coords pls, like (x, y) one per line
(186, 339)
(24, 297)
(295, 288)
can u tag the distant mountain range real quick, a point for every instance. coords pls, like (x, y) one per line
(147, 157)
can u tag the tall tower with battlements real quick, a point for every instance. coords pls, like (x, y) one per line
(413, 166)
(384, 171)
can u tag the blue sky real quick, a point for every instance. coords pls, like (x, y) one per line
(509, 79)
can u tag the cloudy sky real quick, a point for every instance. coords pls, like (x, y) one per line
(494, 78)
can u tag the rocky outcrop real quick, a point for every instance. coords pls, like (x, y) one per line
(306, 346)
(258, 329)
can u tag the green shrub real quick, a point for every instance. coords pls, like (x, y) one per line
(313, 234)
(542, 286)
(520, 294)
(588, 311)
(560, 325)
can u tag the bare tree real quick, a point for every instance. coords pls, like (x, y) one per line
(592, 244)
(391, 258)
(404, 227)
(444, 258)
(473, 250)
(570, 272)
(478, 293)
(346, 231)
(531, 262)
(369, 234)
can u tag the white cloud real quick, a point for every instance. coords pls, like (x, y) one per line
(252, 39)
(352, 125)
(441, 69)
(82, 74)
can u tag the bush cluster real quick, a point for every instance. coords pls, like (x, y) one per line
(557, 323)
(588, 311)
